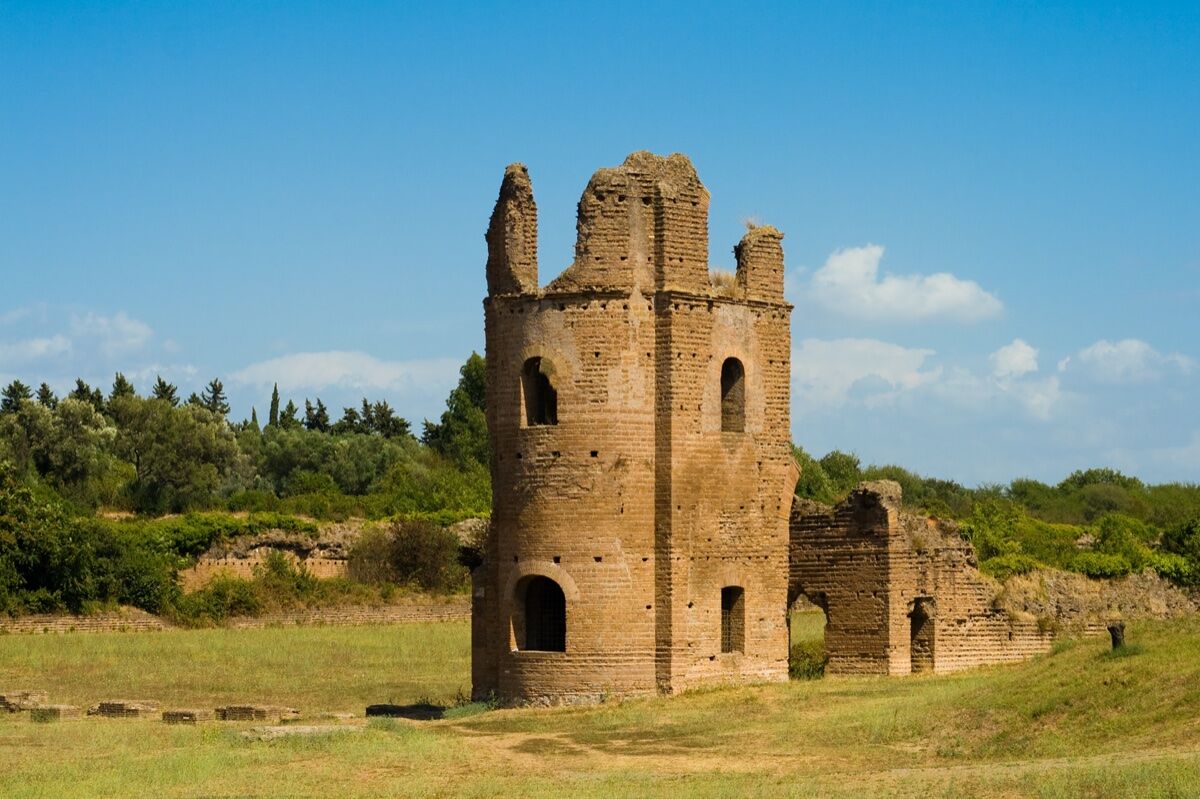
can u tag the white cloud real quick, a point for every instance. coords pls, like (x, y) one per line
(34, 349)
(112, 334)
(15, 315)
(348, 369)
(1014, 360)
(1129, 361)
(1039, 397)
(825, 372)
(849, 284)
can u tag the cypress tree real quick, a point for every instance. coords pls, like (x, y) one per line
(273, 415)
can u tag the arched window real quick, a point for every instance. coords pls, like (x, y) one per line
(541, 618)
(733, 619)
(541, 400)
(733, 396)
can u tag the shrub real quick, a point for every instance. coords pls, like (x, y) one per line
(370, 558)
(426, 555)
(1175, 568)
(1100, 565)
(1004, 566)
(807, 660)
(222, 598)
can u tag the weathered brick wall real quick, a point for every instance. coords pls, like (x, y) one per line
(123, 620)
(635, 502)
(243, 566)
(869, 565)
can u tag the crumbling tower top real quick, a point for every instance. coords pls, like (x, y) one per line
(512, 236)
(641, 226)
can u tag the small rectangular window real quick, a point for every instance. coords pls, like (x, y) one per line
(733, 619)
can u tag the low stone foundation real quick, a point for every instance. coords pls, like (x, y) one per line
(453, 608)
(47, 713)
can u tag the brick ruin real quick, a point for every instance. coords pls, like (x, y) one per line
(901, 593)
(643, 536)
(641, 467)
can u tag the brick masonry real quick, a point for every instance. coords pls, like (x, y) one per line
(631, 489)
(900, 593)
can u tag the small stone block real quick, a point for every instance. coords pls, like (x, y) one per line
(256, 713)
(47, 713)
(186, 716)
(16, 701)
(124, 708)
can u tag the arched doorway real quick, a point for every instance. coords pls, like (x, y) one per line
(540, 617)
(921, 634)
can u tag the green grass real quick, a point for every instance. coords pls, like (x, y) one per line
(1079, 722)
(311, 668)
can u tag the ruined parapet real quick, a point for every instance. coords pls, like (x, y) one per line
(641, 465)
(760, 263)
(512, 236)
(643, 225)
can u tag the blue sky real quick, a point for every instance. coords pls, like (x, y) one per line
(992, 212)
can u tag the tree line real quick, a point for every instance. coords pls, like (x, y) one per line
(157, 453)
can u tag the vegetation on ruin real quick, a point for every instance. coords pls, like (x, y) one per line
(1078, 722)
(1097, 522)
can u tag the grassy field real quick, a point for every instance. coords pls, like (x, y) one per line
(1078, 722)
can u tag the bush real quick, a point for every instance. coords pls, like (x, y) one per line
(1100, 565)
(222, 598)
(807, 660)
(426, 555)
(1004, 566)
(370, 558)
(1175, 568)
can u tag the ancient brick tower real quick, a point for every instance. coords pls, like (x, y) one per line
(641, 467)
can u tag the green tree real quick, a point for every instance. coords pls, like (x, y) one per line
(462, 432)
(386, 423)
(121, 388)
(180, 456)
(316, 417)
(13, 395)
(843, 470)
(350, 422)
(167, 392)
(213, 398)
(288, 417)
(46, 396)
(85, 393)
(273, 414)
(813, 483)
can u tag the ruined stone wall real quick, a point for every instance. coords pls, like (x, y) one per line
(635, 502)
(873, 568)
(223, 564)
